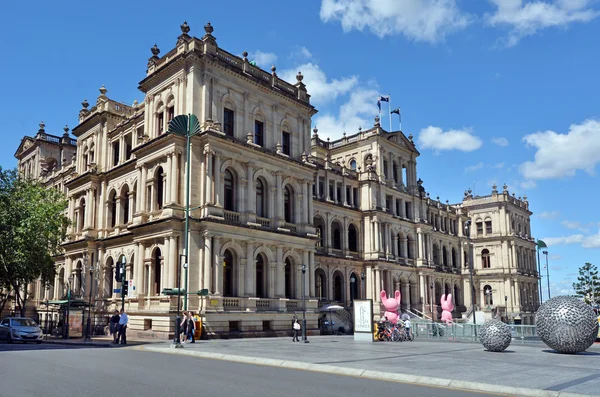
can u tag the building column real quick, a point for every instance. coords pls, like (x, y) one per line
(280, 273)
(171, 262)
(217, 180)
(207, 278)
(311, 274)
(420, 244)
(279, 193)
(174, 178)
(250, 269)
(369, 282)
(306, 261)
(250, 192)
(218, 266)
(208, 186)
(271, 279)
(309, 199)
(305, 200)
(405, 247)
(395, 246)
(377, 285)
(422, 291)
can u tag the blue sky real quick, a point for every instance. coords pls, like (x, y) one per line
(494, 91)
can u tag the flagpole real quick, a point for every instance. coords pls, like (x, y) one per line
(390, 110)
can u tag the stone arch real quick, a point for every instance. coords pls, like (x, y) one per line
(353, 164)
(235, 166)
(338, 284)
(235, 247)
(289, 275)
(321, 229)
(258, 114)
(155, 286)
(109, 276)
(336, 234)
(228, 101)
(292, 253)
(353, 237)
(266, 251)
(266, 175)
(321, 283)
(231, 260)
(262, 275)
(293, 183)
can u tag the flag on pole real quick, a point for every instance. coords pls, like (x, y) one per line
(397, 111)
(383, 98)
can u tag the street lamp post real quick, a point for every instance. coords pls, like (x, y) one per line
(123, 281)
(187, 126)
(471, 267)
(547, 272)
(88, 336)
(182, 263)
(66, 325)
(304, 333)
(432, 299)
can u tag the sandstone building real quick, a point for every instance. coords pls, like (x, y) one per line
(268, 196)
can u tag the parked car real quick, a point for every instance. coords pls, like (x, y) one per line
(20, 329)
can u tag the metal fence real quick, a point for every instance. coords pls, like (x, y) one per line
(469, 332)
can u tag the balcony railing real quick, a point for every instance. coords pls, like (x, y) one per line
(264, 222)
(289, 226)
(231, 216)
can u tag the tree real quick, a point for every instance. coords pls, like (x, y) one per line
(588, 284)
(32, 228)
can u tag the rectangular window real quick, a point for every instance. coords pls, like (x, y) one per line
(170, 113)
(479, 228)
(349, 194)
(321, 187)
(339, 193)
(127, 147)
(116, 151)
(331, 190)
(488, 227)
(228, 121)
(355, 199)
(285, 143)
(160, 121)
(388, 203)
(407, 210)
(259, 129)
(398, 203)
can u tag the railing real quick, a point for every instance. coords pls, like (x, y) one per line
(263, 304)
(291, 304)
(264, 222)
(290, 226)
(469, 332)
(231, 303)
(231, 216)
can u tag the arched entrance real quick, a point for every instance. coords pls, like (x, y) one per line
(338, 286)
(289, 278)
(157, 270)
(261, 276)
(228, 274)
(320, 284)
(354, 286)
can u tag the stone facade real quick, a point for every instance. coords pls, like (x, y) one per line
(266, 197)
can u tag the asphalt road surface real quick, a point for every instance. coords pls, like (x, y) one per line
(55, 370)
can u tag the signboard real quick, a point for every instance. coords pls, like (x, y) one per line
(363, 320)
(130, 289)
(75, 323)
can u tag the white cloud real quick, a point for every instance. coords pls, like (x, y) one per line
(591, 241)
(526, 18)
(500, 141)
(549, 215)
(527, 185)
(301, 53)
(554, 257)
(561, 155)
(419, 20)
(263, 59)
(321, 89)
(357, 112)
(576, 225)
(499, 165)
(474, 167)
(437, 139)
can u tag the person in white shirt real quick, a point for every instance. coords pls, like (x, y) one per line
(123, 321)
(407, 327)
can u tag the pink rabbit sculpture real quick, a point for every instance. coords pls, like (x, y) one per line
(391, 306)
(447, 308)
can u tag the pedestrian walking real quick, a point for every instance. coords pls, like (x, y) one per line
(114, 326)
(296, 327)
(123, 321)
(183, 327)
(191, 327)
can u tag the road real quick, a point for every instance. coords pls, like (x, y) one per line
(56, 370)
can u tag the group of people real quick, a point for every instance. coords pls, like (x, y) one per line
(401, 322)
(187, 328)
(118, 327)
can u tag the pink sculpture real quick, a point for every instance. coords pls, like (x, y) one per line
(391, 306)
(447, 307)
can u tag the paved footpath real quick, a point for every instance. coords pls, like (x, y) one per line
(520, 370)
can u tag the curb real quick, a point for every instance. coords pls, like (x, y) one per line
(370, 374)
(92, 344)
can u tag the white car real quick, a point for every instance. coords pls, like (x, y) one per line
(20, 329)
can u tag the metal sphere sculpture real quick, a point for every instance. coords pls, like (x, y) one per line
(495, 336)
(566, 324)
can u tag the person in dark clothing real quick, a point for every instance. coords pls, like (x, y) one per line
(114, 325)
(191, 327)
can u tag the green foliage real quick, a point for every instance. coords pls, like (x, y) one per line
(32, 228)
(588, 284)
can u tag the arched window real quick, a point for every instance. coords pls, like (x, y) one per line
(320, 284)
(228, 274)
(353, 165)
(78, 279)
(320, 226)
(489, 299)
(411, 247)
(444, 256)
(288, 204)
(289, 278)
(454, 263)
(485, 259)
(352, 238)
(261, 277)
(436, 254)
(229, 191)
(157, 259)
(108, 278)
(354, 286)
(261, 199)
(125, 204)
(336, 235)
(112, 202)
(160, 188)
(81, 214)
(395, 171)
(338, 286)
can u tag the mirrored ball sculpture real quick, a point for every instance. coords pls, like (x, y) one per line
(495, 336)
(566, 324)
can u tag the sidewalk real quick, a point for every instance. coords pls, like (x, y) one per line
(99, 341)
(522, 370)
